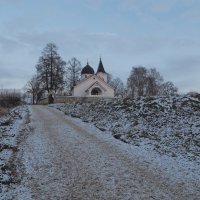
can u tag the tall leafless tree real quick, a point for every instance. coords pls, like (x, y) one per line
(50, 69)
(73, 73)
(154, 81)
(137, 81)
(35, 89)
(117, 85)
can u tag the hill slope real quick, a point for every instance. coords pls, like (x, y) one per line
(168, 125)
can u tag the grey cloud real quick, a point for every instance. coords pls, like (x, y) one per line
(70, 42)
(184, 71)
(100, 42)
(94, 4)
(114, 43)
(103, 34)
(162, 6)
(188, 84)
(11, 72)
(13, 78)
(11, 26)
(9, 45)
(5, 73)
(150, 5)
(11, 1)
(185, 63)
(76, 42)
(185, 42)
(192, 14)
(187, 10)
(14, 83)
(156, 5)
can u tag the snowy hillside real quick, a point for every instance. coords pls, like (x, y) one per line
(168, 125)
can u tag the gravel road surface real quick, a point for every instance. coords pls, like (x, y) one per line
(65, 158)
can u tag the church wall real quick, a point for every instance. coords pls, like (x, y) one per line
(103, 76)
(79, 90)
(71, 99)
(108, 93)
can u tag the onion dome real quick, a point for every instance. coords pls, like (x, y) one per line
(87, 69)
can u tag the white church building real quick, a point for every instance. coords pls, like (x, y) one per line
(93, 84)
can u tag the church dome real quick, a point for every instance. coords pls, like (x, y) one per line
(87, 70)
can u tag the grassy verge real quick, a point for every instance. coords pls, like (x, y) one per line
(3, 111)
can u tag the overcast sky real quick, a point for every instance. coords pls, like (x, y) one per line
(164, 34)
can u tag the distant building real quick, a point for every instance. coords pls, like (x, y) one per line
(93, 84)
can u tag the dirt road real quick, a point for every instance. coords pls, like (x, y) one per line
(65, 158)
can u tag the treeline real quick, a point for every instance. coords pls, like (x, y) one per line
(10, 99)
(148, 82)
(55, 76)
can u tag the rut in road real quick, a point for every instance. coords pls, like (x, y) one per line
(65, 158)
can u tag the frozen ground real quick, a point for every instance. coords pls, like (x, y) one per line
(13, 130)
(61, 157)
(168, 125)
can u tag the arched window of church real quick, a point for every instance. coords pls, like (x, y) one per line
(96, 91)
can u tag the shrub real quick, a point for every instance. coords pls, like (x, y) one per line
(9, 99)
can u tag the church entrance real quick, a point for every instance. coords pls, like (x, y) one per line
(96, 91)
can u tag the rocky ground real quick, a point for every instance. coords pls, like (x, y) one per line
(168, 125)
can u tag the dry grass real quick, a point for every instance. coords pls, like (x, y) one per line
(3, 111)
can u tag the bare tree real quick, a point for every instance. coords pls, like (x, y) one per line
(73, 73)
(35, 88)
(50, 69)
(118, 86)
(154, 81)
(143, 82)
(137, 81)
(168, 88)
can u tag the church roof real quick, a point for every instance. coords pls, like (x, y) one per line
(87, 69)
(95, 84)
(92, 77)
(100, 67)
